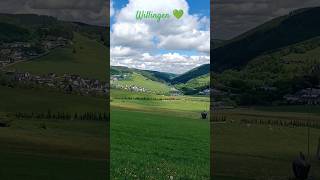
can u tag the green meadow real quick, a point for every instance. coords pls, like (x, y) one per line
(251, 151)
(158, 137)
(37, 149)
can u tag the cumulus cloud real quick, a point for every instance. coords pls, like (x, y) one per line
(87, 11)
(136, 35)
(165, 30)
(120, 51)
(170, 62)
(190, 33)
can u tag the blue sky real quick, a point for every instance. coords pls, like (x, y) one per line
(173, 45)
(196, 6)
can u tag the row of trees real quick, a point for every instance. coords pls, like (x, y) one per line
(218, 118)
(97, 116)
(283, 123)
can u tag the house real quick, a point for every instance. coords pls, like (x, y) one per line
(175, 92)
(205, 92)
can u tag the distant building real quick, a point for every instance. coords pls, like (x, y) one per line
(175, 92)
(309, 96)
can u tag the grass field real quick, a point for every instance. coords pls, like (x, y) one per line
(153, 102)
(37, 100)
(158, 139)
(248, 151)
(76, 150)
(65, 148)
(90, 60)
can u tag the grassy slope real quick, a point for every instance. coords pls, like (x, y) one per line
(90, 60)
(277, 33)
(194, 73)
(142, 81)
(196, 84)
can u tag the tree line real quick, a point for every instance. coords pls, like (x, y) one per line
(96, 116)
(284, 123)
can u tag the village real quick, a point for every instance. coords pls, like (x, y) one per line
(67, 83)
(11, 53)
(310, 96)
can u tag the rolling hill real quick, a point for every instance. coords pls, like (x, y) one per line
(194, 73)
(153, 75)
(89, 60)
(190, 83)
(40, 25)
(195, 85)
(86, 54)
(278, 58)
(298, 26)
(12, 33)
(141, 81)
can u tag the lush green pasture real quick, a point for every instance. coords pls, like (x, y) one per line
(51, 149)
(250, 151)
(73, 149)
(153, 102)
(158, 137)
(141, 81)
(158, 145)
(89, 60)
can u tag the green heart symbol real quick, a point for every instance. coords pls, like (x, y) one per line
(178, 13)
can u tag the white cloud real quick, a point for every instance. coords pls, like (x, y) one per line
(190, 33)
(120, 51)
(129, 29)
(170, 62)
(135, 35)
(195, 40)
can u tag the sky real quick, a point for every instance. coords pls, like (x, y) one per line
(234, 17)
(87, 11)
(171, 45)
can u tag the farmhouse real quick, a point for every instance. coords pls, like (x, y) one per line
(175, 92)
(205, 92)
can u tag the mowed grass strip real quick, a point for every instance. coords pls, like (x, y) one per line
(157, 145)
